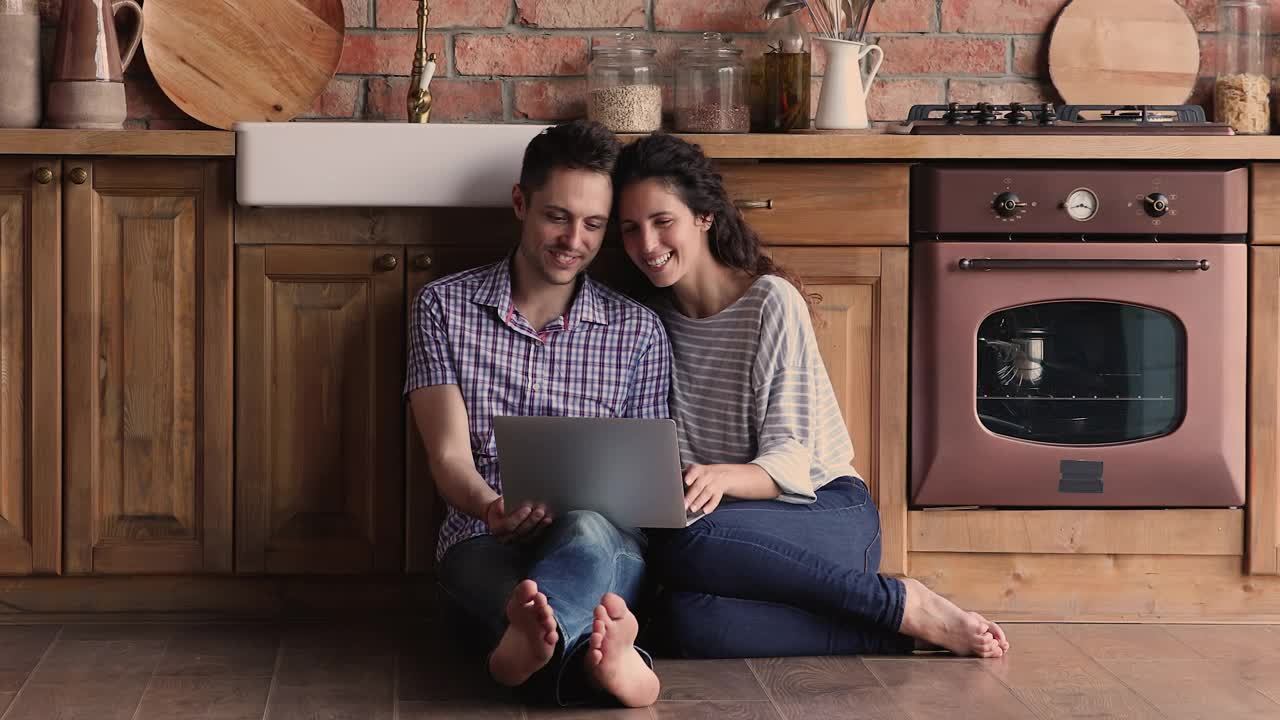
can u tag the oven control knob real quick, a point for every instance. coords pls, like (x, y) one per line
(1007, 204)
(1156, 204)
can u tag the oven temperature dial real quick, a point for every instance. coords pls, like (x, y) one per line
(1081, 204)
(1156, 204)
(1008, 204)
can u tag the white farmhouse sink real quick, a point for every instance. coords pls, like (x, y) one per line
(324, 164)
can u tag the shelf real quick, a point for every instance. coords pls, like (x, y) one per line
(1011, 398)
(160, 143)
(1006, 147)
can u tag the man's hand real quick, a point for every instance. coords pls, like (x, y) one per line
(524, 524)
(705, 486)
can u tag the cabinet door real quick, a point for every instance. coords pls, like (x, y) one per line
(424, 509)
(1264, 411)
(30, 344)
(862, 334)
(319, 422)
(148, 365)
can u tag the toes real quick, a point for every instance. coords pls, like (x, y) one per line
(989, 649)
(524, 592)
(998, 633)
(614, 605)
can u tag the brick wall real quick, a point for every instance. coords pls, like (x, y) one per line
(525, 60)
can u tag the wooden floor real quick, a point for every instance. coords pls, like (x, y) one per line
(144, 671)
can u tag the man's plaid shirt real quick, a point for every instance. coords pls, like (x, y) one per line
(607, 357)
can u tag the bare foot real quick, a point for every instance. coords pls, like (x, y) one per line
(530, 639)
(935, 620)
(612, 659)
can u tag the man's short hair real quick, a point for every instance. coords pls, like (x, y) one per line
(577, 145)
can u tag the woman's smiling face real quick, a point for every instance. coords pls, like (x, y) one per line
(660, 233)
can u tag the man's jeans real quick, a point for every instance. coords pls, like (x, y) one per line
(579, 558)
(764, 578)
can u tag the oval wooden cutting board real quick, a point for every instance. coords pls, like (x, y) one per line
(1130, 52)
(224, 61)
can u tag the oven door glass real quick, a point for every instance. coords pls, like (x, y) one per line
(1081, 373)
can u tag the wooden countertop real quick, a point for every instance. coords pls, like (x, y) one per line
(877, 146)
(180, 143)
(881, 146)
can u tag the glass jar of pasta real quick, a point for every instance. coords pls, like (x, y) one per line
(1242, 88)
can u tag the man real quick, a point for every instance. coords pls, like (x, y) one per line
(533, 335)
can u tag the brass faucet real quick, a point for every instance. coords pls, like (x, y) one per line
(424, 68)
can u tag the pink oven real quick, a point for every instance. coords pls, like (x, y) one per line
(1078, 336)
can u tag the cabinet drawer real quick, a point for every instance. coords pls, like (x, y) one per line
(822, 203)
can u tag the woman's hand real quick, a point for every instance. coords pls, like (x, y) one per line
(705, 486)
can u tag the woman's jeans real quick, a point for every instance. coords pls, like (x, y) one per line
(579, 558)
(764, 578)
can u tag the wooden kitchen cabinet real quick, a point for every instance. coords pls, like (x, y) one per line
(319, 422)
(862, 334)
(1263, 548)
(30, 345)
(147, 365)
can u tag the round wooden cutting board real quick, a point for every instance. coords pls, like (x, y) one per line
(224, 61)
(1130, 52)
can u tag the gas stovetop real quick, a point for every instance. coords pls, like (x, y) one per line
(1045, 119)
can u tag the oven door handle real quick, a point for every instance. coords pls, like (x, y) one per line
(1079, 264)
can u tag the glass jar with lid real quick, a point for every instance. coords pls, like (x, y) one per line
(624, 89)
(711, 87)
(1242, 89)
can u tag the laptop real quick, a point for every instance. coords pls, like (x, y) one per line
(626, 469)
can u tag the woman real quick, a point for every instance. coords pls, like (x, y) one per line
(791, 567)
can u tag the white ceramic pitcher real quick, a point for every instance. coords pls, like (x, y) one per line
(842, 105)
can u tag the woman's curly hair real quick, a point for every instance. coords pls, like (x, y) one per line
(684, 169)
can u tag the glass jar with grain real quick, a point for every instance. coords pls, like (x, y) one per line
(711, 87)
(1242, 88)
(624, 87)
